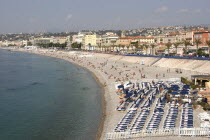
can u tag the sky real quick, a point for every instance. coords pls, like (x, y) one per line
(33, 16)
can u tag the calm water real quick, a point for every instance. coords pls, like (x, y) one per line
(44, 98)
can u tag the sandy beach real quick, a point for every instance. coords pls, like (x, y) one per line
(109, 69)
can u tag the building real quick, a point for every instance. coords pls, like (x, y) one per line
(170, 38)
(123, 33)
(24, 42)
(69, 41)
(141, 40)
(60, 40)
(109, 39)
(124, 41)
(55, 40)
(203, 36)
(41, 41)
(90, 42)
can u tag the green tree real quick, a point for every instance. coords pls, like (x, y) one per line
(186, 43)
(197, 43)
(208, 43)
(76, 45)
(136, 44)
(146, 47)
(118, 49)
(153, 46)
(142, 47)
(168, 45)
(89, 46)
(123, 48)
(176, 45)
(29, 43)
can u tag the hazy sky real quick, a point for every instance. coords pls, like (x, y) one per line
(71, 15)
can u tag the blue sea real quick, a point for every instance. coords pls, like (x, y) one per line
(43, 98)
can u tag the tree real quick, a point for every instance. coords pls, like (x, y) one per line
(176, 45)
(119, 47)
(142, 47)
(153, 46)
(208, 43)
(76, 45)
(29, 43)
(197, 43)
(186, 43)
(168, 45)
(89, 46)
(123, 48)
(146, 46)
(136, 44)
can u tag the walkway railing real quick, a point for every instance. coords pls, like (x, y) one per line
(196, 132)
(174, 57)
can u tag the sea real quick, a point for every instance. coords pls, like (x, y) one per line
(44, 98)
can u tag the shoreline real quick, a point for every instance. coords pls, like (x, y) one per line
(103, 102)
(99, 82)
(122, 64)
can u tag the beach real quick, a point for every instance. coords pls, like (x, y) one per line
(109, 69)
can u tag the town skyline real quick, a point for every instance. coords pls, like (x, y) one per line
(53, 16)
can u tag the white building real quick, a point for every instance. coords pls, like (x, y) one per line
(109, 39)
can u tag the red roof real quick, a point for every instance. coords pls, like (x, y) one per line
(173, 34)
(136, 37)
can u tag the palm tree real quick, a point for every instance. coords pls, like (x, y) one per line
(146, 46)
(123, 48)
(142, 47)
(113, 46)
(153, 46)
(136, 46)
(176, 45)
(105, 48)
(168, 45)
(197, 43)
(208, 43)
(128, 48)
(102, 48)
(186, 43)
(118, 49)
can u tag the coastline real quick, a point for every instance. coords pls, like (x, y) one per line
(100, 83)
(128, 65)
(103, 102)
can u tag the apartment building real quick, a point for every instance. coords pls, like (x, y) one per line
(126, 41)
(146, 40)
(60, 40)
(36, 41)
(203, 36)
(109, 39)
(90, 41)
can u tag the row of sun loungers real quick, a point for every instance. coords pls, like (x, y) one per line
(187, 116)
(127, 119)
(157, 114)
(133, 92)
(125, 122)
(142, 117)
(149, 91)
(140, 120)
(171, 117)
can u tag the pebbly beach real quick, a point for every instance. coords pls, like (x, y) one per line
(109, 69)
